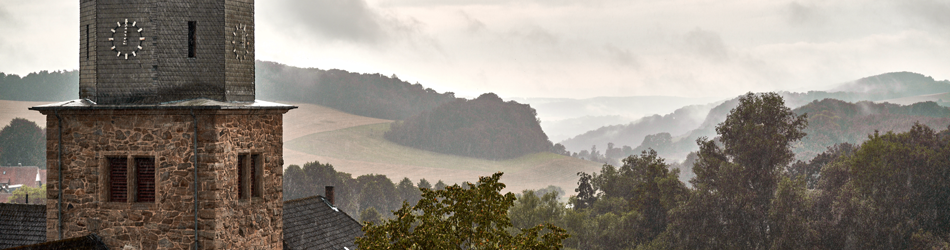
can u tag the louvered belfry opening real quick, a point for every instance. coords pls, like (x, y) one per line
(254, 179)
(242, 176)
(118, 179)
(145, 179)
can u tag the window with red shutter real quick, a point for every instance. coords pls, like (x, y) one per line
(242, 176)
(255, 178)
(118, 179)
(145, 179)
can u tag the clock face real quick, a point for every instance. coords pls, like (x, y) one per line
(241, 42)
(127, 39)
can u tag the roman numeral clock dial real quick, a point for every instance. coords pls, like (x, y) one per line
(126, 39)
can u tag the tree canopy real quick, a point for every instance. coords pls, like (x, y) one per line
(23, 142)
(471, 217)
(37, 195)
(735, 182)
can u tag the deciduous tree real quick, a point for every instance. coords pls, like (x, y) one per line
(459, 218)
(23, 142)
(735, 182)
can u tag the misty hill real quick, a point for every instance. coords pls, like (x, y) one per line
(830, 122)
(371, 95)
(562, 118)
(680, 121)
(43, 86)
(895, 85)
(559, 130)
(486, 127)
(880, 87)
(833, 121)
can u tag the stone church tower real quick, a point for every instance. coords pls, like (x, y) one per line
(167, 147)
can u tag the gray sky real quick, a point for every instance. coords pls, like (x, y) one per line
(561, 48)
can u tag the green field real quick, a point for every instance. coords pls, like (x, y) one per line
(362, 150)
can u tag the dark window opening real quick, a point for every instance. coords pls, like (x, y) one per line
(192, 38)
(250, 171)
(242, 176)
(255, 175)
(88, 46)
(145, 179)
(118, 179)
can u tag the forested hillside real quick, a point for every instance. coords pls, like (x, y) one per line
(894, 85)
(366, 197)
(830, 122)
(889, 192)
(833, 121)
(40, 86)
(874, 88)
(486, 127)
(372, 95)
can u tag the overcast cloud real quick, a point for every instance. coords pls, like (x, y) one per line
(562, 48)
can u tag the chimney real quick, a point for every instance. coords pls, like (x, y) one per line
(329, 194)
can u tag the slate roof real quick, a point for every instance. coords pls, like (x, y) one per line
(311, 223)
(22, 224)
(88, 242)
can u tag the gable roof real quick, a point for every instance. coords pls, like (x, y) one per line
(312, 223)
(22, 224)
(21, 175)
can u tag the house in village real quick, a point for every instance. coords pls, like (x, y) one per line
(13, 178)
(315, 223)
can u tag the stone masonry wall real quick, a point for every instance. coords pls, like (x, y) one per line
(225, 222)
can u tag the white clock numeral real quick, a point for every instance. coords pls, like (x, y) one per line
(113, 47)
(119, 54)
(140, 47)
(140, 30)
(111, 39)
(126, 56)
(118, 24)
(133, 54)
(141, 39)
(113, 30)
(127, 21)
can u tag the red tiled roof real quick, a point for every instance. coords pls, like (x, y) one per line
(22, 175)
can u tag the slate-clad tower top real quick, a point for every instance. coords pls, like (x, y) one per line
(139, 52)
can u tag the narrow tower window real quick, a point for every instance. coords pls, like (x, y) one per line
(88, 46)
(250, 169)
(255, 175)
(192, 38)
(242, 176)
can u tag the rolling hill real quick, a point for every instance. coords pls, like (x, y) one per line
(363, 150)
(889, 86)
(14, 109)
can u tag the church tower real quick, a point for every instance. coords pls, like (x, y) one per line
(167, 147)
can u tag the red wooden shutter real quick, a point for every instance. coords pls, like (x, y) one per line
(118, 179)
(145, 179)
(255, 181)
(242, 176)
